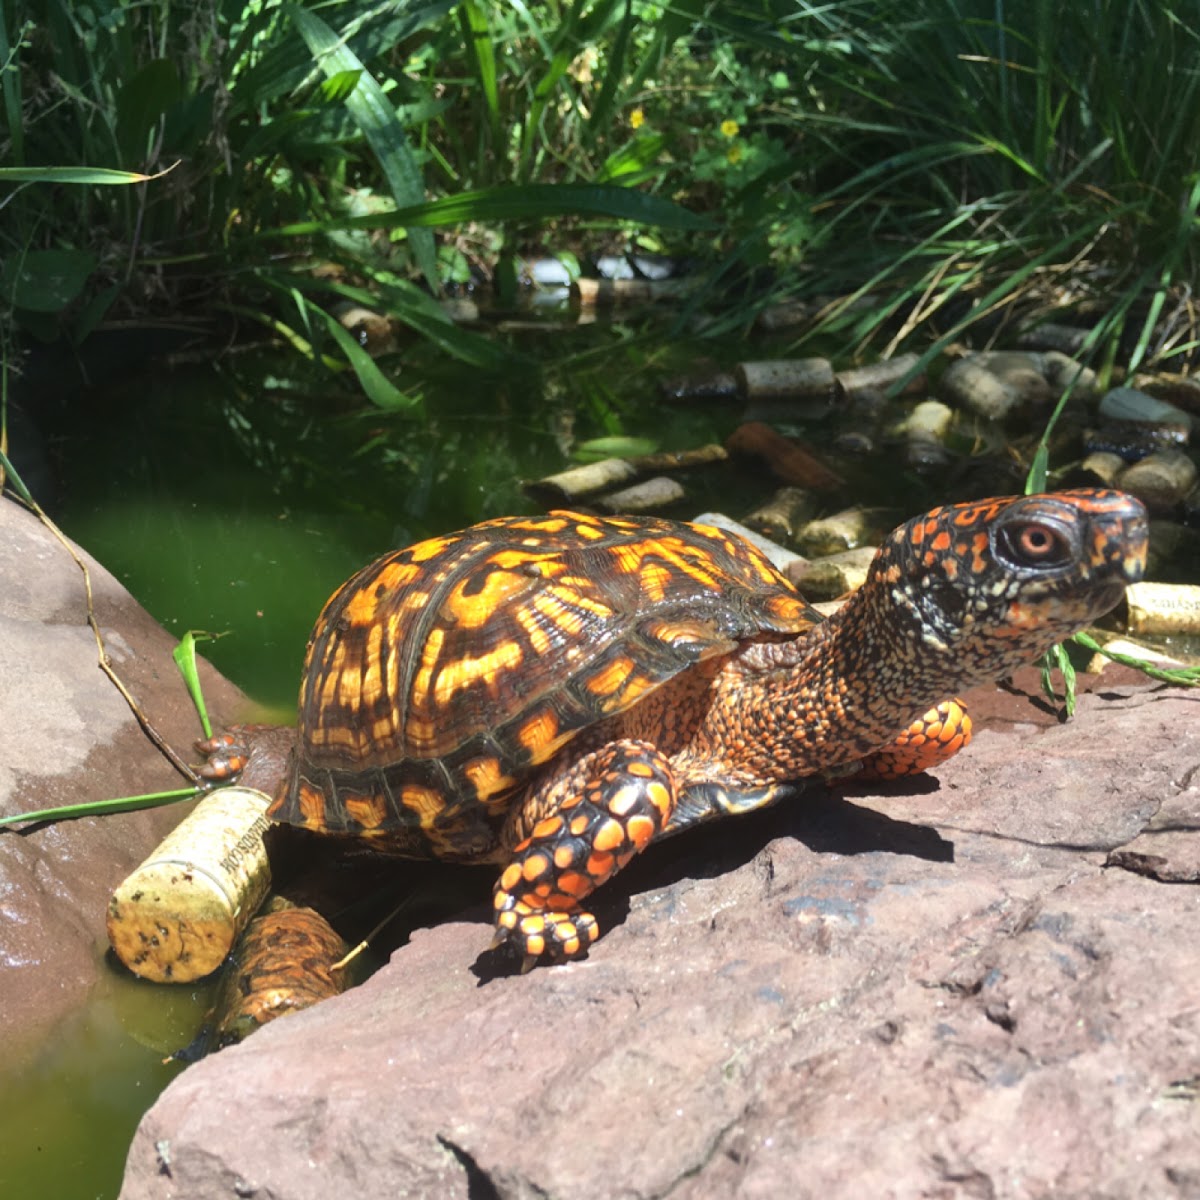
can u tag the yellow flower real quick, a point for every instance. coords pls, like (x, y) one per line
(730, 128)
(734, 153)
(637, 118)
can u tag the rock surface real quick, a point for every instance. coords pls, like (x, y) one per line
(67, 736)
(942, 991)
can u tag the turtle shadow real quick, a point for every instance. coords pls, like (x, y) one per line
(823, 819)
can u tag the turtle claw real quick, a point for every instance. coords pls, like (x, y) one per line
(504, 939)
(534, 933)
(225, 757)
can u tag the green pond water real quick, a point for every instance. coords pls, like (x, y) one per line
(69, 1107)
(238, 504)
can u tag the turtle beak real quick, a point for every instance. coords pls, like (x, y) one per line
(1119, 529)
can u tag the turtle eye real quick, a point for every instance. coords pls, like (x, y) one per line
(1035, 544)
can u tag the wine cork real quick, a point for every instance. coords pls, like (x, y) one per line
(286, 960)
(786, 377)
(570, 485)
(835, 574)
(783, 514)
(658, 492)
(177, 916)
(1163, 608)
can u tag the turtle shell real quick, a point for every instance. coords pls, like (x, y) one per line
(441, 677)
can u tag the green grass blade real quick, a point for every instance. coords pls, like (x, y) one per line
(1157, 299)
(13, 480)
(1035, 481)
(184, 655)
(93, 176)
(1056, 656)
(378, 388)
(98, 808)
(474, 19)
(638, 159)
(302, 346)
(1012, 282)
(421, 312)
(10, 89)
(273, 66)
(600, 120)
(377, 119)
(1181, 676)
(1106, 330)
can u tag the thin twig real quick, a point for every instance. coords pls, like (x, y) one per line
(350, 955)
(103, 660)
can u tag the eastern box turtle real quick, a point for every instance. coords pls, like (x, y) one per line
(551, 694)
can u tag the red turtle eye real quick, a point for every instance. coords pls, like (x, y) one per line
(1037, 544)
(1036, 540)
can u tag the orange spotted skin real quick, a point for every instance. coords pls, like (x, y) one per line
(932, 738)
(551, 694)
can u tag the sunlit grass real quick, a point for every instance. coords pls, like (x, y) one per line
(1038, 135)
(950, 162)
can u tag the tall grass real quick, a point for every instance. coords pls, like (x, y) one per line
(291, 133)
(957, 162)
(977, 153)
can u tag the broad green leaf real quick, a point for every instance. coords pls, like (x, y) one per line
(376, 117)
(613, 447)
(93, 312)
(143, 100)
(45, 281)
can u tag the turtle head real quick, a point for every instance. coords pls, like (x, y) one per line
(989, 585)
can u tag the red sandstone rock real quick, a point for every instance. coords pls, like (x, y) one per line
(67, 736)
(942, 991)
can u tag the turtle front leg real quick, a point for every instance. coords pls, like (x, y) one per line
(256, 756)
(573, 836)
(931, 739)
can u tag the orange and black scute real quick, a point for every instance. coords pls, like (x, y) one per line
(551, 694)
(441, 676)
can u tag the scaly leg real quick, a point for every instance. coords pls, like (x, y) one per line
(574, 836)
(940, 734)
